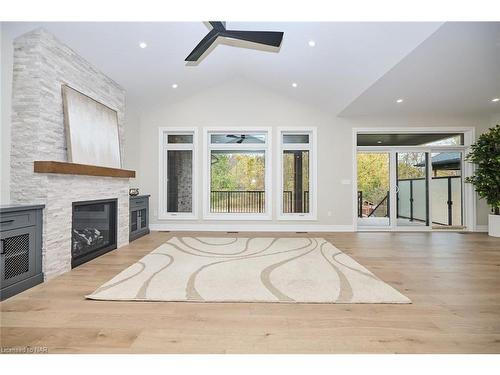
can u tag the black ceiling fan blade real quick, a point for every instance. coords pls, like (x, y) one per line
(270, 38)
(218, 25)
(205, 44)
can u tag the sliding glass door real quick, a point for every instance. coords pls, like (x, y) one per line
(412, 188)
(412, 180)
(393, 189)
(373, 204)
(446, 189)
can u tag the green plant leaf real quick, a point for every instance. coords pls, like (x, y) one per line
(485, 154)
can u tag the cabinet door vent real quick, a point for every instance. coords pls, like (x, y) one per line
(16, 252)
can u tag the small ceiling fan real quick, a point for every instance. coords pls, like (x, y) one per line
(268, 38)
(241, 138)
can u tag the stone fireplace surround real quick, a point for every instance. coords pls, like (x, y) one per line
(42, 64)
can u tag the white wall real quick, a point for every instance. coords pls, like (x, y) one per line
(243, 103)
(131, 149)
(494, 120)
(6, 56)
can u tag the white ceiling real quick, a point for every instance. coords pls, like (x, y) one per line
(455, 71)
(348, 59)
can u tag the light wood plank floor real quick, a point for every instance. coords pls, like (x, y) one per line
(453, 280)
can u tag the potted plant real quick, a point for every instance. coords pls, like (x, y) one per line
(485, 153)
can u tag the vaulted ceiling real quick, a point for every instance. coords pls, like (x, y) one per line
(354, 69)
(455, 71)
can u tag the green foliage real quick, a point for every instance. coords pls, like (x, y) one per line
(237, 171)
(245, 171)
(373, 176)
(407, 162)
(221, 179)
(485, 153)
(373, 172)
(289, 171)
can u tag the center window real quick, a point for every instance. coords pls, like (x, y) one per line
(238, 183)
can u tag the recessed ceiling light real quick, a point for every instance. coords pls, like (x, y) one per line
(495, 99)
(294, 84)
(379, 141)
(175, 85)
(311, 43)
(143, 45)
(399, 101)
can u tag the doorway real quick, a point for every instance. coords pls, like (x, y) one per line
(411, 187)
(447, 189)
(374, 188)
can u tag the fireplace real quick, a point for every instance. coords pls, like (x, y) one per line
(93, 231)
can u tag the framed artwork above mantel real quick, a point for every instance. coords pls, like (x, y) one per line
(91, 130)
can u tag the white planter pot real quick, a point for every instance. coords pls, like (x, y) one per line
(494, 225)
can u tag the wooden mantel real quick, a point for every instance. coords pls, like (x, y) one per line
(60, 167)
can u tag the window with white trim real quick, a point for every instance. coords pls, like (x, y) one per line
(237, 179)
(297, 171)
(177, 173)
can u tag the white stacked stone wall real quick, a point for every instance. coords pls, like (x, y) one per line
(42, 64)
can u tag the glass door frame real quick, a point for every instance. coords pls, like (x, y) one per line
(464, 172)
(374, 150)
(393, 150)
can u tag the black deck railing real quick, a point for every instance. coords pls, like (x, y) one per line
(449, 200)
(293, 205)
(240, 201)
(236, 201)
(383, 208)
(360, 203)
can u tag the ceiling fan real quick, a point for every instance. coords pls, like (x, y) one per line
(241, 138)
(268, 38)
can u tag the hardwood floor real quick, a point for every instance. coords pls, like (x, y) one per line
(453, 280)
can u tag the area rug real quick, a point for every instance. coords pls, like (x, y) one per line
(213, 269)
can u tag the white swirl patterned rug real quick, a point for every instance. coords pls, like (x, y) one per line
(211, 269)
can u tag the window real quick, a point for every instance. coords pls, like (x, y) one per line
(238, 138)
(455, 140)
(409, 139)
(297, 166)
(237, 174)
(177, 173)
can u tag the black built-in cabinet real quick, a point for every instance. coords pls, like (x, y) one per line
(20, 248)
(139, 216)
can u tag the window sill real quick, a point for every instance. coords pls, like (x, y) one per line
(177, 217)
(297, 217)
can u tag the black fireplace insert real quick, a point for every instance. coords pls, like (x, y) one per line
(93, 231)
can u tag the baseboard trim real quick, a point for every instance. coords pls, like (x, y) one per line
(211, 227)
(250, 227)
